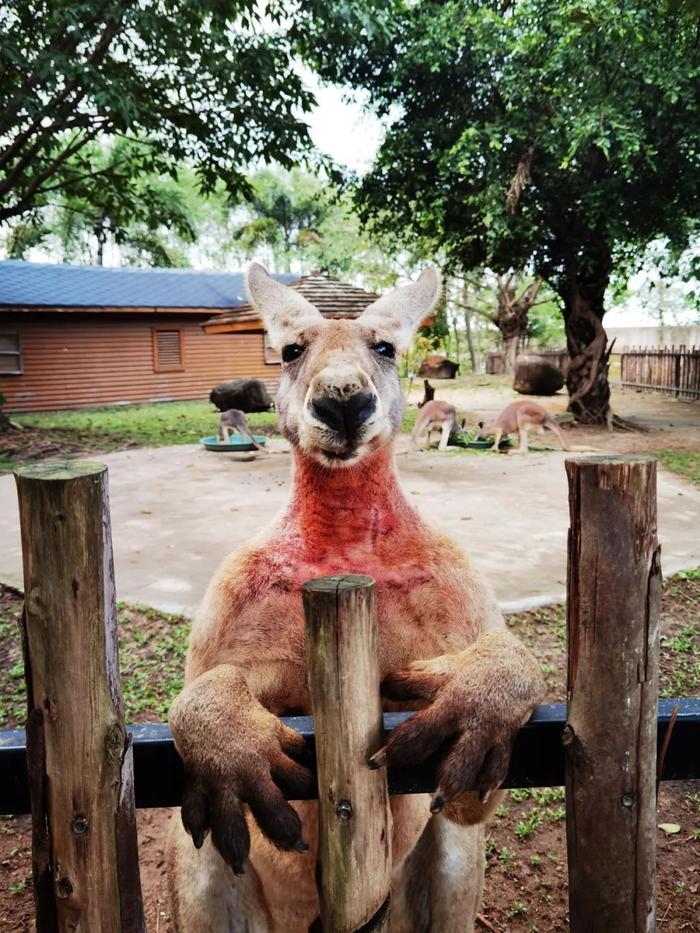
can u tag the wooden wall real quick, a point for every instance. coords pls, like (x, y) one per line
(75, 360)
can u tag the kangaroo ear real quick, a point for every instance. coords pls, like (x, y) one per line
(285, 313)
(396, 317)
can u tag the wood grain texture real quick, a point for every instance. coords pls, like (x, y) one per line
(85, 858)
(614, 578)
(354, 853)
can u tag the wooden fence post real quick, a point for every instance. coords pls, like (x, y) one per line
(85, 859)
(354, 848)
(614, 580)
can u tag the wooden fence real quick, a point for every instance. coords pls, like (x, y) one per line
(604, 746)
(672, 370)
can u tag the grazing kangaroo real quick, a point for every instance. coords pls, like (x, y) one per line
(521, 416)
(435, 415)
(233, 421)
(443, 650)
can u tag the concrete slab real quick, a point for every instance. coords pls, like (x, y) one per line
(177, 511)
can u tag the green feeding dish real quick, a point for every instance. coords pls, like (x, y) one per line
(236, 443)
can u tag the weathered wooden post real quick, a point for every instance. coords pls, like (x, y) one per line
(85, 859)
(354, 849)
(614, 578)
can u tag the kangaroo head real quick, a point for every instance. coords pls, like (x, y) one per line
(339, 396)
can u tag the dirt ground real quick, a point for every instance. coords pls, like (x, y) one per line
(664, 421)
(526, 880)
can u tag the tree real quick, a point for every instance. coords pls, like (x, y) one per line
(555, 138)
(286, 211)
(212, 83)
(507, 304)
(134, 211)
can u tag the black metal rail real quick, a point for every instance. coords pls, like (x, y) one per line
(537, 761)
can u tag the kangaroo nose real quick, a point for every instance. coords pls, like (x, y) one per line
(346, 416)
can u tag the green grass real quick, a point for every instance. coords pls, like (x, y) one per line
(156, 425)
(684, 462)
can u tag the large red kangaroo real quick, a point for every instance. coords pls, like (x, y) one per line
(444, 650)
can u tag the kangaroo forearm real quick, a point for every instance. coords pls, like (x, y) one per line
(509, 668)
(211, 706)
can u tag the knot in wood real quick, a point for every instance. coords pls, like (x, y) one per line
(567, 735)
(344, 810)
(80, 825)
(64, 888)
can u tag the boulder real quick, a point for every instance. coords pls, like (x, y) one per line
(535, 376)
(245, 394)
(438, 367)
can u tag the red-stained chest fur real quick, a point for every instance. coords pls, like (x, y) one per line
(339, 521)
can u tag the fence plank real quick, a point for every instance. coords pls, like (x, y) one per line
(672, 370)
(85, 860)
(354, 846)
(610, 737)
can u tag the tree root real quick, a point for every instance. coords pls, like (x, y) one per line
(623, 424)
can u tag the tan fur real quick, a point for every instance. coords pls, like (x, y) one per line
(443, 650)
(521, 417)
(233, 421)
(435, 415)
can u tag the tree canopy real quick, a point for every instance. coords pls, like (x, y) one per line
(555, 138)
(211, 83)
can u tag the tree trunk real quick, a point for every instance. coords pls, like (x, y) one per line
(468, 329)
(587, 374)
(511, 346)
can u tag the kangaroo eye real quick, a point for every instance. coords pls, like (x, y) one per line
(292, 352)
(385, 349)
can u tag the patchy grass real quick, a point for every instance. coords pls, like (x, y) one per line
(99, 430)
(152, 648)
(684, 462)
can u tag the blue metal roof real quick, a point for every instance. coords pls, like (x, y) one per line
(62, 286)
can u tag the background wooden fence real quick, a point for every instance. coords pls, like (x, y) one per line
(672, 370)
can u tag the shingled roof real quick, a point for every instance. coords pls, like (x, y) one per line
(333, 298)
(32, 285)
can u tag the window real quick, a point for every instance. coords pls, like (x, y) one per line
(168, 350)
(10, 355)
(271, 356)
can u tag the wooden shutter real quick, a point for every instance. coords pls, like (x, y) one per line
(168, 353)
(10, 355)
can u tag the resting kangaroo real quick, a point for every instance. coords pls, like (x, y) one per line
(520, 417)
(435, 415)
(233, 421)
(443, 650)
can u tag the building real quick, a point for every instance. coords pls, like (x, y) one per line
(667, 335)
(82, 336)
(333, 298)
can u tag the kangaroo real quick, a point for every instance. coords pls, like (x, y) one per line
(233, 421)
(443, 650)
(435, 415)
(521, 416)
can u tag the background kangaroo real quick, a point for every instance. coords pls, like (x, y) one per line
(435, 415)
(443, 650)
(233, 420)
(521, 416)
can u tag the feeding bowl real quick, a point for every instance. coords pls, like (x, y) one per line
(236, 443)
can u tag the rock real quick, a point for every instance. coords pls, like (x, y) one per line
(245, 394)
(438, 366)
(535, 376)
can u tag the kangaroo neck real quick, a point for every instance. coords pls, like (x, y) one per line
(350, 506)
